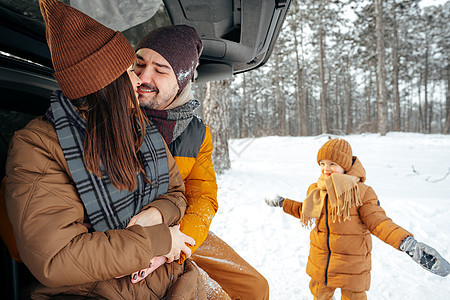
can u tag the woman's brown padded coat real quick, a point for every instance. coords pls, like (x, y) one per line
(47, 216)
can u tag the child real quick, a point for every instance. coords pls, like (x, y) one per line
(346, 212)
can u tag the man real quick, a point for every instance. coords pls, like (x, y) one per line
(166, 62)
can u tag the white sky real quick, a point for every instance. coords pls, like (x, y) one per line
(432, 2)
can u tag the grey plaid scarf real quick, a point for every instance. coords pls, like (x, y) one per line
(172, 122)
(106, 206)
(183, 115)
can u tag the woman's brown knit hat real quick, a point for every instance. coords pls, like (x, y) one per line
(338, 151)
(86, 55)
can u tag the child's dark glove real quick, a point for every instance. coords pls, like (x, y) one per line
(426, 256)
(275, 201)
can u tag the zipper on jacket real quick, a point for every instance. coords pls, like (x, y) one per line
(171, 147)
(328, 241)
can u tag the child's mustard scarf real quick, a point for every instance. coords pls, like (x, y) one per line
(343, 194)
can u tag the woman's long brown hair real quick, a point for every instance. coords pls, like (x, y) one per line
(114, 132)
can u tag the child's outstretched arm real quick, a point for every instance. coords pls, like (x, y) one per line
(289, 206)
(426, 256)
(276, 201)
(292, 207)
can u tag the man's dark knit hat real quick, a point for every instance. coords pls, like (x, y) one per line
(180, 45)
(86, 55)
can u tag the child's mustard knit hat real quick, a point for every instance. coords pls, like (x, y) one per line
(338, 151)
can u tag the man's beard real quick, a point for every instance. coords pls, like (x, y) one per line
(157, 101)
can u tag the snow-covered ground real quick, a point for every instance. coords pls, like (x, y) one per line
(406, 171)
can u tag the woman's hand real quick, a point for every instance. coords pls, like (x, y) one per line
(154, 264)
(179, 241)
(148, 217)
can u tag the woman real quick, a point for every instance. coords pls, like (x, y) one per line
(85, 180)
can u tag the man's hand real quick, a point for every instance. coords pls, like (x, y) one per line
(276, 201)
(426, 256)
(179, 241)
(149, 217)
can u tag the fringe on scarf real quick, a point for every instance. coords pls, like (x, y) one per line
(345, 202)
(307, 222)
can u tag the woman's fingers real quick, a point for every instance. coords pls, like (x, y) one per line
(140, 275)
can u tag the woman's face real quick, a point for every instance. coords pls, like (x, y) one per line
(135, 81)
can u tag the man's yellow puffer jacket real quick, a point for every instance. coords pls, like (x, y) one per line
(192, 152)
(340, 253)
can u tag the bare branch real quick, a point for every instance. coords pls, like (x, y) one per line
(437, 180)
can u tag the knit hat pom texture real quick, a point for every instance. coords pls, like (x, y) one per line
(338, 151)
(86, 55)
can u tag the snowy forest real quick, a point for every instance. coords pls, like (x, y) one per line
(340, 67)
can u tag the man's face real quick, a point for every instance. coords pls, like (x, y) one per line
(159, 84)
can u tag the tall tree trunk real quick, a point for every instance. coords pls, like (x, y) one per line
(257, 126)
(323, 93)
(447, 101)
(410, 107)
(420, 122)
(300, 84)
(243, 124)
(430, 116)
(331, 117)
(381, 70)
(337, 110)
(281, 106)
(217, 103)
(369, 96)
(267, 113)
(348, 100)
(198, 90)
(426, 109)
(348, 120)
(396, 97)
